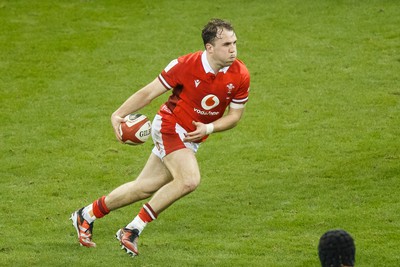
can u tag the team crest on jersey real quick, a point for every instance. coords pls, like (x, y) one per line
(230, 88)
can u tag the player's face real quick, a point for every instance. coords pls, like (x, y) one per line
(224, 49)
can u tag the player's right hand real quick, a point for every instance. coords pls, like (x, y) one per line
(116, 122)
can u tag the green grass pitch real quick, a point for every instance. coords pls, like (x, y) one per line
(318, 147)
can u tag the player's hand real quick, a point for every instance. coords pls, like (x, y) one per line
(115, 122)
(197, 134)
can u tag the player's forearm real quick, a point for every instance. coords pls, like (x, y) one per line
(228, 121)
(141, 98)
(132, 104)
(224, 124)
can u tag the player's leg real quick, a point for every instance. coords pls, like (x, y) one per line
(153, 176)
(178, 157)
(182, 164)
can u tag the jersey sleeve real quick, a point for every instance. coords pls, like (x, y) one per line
(242, 95)
(169, 76)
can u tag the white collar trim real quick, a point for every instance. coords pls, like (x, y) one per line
(207, 67)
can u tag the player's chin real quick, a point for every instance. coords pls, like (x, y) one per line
(228, 63)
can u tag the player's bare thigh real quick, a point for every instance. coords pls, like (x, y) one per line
(183, 166)
(153, 176)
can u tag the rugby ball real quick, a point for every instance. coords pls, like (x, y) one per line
(135, 130)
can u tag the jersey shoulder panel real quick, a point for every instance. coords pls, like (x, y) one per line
(240, 67)
(174, 74)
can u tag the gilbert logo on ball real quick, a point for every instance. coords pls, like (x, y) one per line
(136, 130)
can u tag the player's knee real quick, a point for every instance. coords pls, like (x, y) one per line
(190, 184)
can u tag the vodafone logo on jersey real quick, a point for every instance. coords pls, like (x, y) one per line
(209, 101)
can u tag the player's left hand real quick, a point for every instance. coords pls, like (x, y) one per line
(197, 134)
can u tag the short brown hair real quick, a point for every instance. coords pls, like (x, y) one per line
(212, 28)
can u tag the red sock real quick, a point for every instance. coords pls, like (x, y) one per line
(147, 214)
(99, 207)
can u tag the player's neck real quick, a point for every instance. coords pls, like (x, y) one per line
(213, 64)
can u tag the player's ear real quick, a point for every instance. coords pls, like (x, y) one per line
(209, 47)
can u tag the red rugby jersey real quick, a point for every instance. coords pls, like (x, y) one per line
(200, 95)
